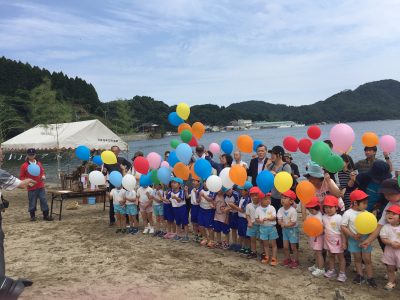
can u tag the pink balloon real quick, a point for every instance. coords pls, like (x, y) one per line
(342, 137)
(214, 148)
(165, 164)
(154, 160)
(387, 143)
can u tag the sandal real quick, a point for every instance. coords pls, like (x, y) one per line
(204, 242)
(274, 262)
(390, 286)
(265, 260)
(211, 245)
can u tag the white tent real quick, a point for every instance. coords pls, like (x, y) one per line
(92, 134)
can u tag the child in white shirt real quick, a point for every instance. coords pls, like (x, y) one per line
(118, 196)
(132, 211)
(146, 208)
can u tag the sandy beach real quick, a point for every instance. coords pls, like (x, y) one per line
(81, 257)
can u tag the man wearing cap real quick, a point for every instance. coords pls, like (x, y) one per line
(364, 165)
(36, 190)
(257, 164)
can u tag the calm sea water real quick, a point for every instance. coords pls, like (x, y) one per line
(270, 137)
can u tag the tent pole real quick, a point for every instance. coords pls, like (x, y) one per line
(58, 158)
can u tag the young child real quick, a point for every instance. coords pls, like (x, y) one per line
(146, 208)
(266, 217)
(244, 240)
(287, 218)
(316, 243)
(252, 226)
(168, 217)
(359, 201)
(132, 211)
(195, 207)
(221, 221)
(177, 197)
(334, 241)
(118, 196)
(390, 236)
(158, 209)
(206, 216)
(232, 199)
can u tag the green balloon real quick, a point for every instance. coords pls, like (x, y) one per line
(154, 178)
(186, 136)
(174, 143)
(320, 153)
(334, 164)
(398, 180)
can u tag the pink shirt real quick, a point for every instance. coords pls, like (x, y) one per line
(220, 204)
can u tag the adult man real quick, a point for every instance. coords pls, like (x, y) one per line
(199, 153)
(237, 159)
(257, 164)
(364, 165)
(287, 157)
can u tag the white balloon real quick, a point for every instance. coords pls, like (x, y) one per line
(226, 181)
(97, 178)
(129, 182)
(214, 183)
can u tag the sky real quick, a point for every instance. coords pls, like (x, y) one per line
(206, 51)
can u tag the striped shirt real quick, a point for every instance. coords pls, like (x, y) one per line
(344, 178)
(7, 181)
(363, 166)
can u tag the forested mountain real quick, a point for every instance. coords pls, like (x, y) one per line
(31, 95)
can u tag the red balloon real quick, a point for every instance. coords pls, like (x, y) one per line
(193, 142)
(290, 143)
(305, 145)
(314, 132)
(141, 164)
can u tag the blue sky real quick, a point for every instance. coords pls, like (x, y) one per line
(199, 51)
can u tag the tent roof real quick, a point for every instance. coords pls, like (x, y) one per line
(92, 134)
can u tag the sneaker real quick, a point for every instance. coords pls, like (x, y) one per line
(211, 245)
(390, 286)
(330, 274)
(294, 264)
(177, 238)
(232, 247)
(146, 230)
(242, 250)
(342, 277)
(151, 230)
(251, 255)
(218, 245)
(358, 279)
(33, 219)
(123, 230)
(286, 262)
(262, 256)
(185, 239)
(312, 268)
(225, 246)
(160, 234)
(134, 231)
(247, 251)
(318, 272)
(118, 230)
(371, 282)
(237, 248)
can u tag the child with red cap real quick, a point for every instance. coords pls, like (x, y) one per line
(316, 243)
(390, 235)
(287, 219)
(334, 241)
(252, 226)
(359, 203)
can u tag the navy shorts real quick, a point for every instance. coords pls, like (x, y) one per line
(181, 215)
(233, 220)
(206, 217)
(221, 227)
(242, 227)
(194, 214)
(168, 214)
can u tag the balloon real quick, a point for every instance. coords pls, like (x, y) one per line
(108, 157)
(186, 136)
(97, 160)
(192, 173)
(305, 190)
(342, 137)
(34, 170)
(141, 164)
(184, 153)
(238, 174)
(183, 127)
(165, 164)
(214, 183)
(283, 181)
(398, 180)
(181, 171)
(193, 142)
(115, 178)
(305, 145)
(265, 181)
(154, 160)
(334, 164)
(313, 227)
(365, 223)
(198, 129)
(174, 119)
(227, 146)
(314, 132)
(290, 143)
(153, 177)
(245, 143)
(320, 152)
(387, 143)
(370, 139)
(202, 168)
(82, 152)
(129, 182)
(174, 143)
(97, 178)
(172, 159)
(214, 148)
(256, 143)
(164, 175)
(226, 181)
(145, 180)
(183, 110)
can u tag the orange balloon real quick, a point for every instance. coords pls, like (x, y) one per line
(194, 175)
(305, 190)
(181, 171)
(238, 174)
(184, 126)
(313, 227)
(370, 139)
(198, 130)
(245, 143)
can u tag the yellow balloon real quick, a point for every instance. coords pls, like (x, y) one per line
(108, 157)
(183, 110)
(365, 223)
(283, 181)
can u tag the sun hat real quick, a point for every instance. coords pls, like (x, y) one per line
(379, 171)
(389, 186)
(290, 194)
(247, 186)
(358, 195)
(394, 209)
(330, 200)
(313, 203)
(314, 170)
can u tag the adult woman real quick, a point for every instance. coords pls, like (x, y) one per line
(225, 161)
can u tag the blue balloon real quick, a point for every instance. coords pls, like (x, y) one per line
(97, 160)
(184, 153)
(265, 181)
(202, 168)
(174, 119)
(34, 169)
(115, 178)
(173, 159)
(255, 144)
(227, 146)
(145, 180)
(82, 152)
(164, 175)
